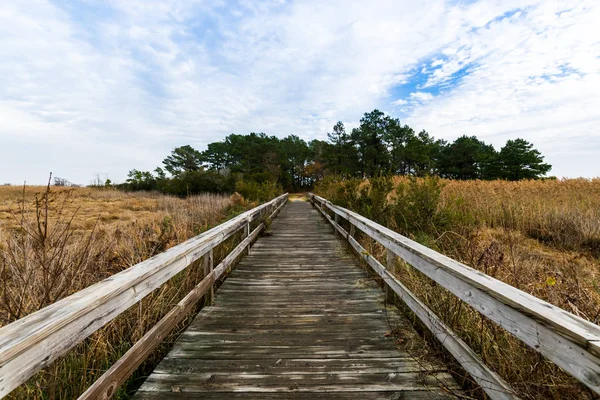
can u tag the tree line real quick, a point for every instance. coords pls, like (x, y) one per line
(380, 145)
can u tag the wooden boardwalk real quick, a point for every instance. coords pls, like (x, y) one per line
(297, 319)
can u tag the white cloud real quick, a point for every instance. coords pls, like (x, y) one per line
(421, 97)
(115, 89)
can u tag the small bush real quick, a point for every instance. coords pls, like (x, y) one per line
(255, 191)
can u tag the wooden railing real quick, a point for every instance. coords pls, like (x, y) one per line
(570, 342)
(33, 342)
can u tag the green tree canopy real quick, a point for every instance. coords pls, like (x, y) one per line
(294, 158)
(340, 155)
(183, 159)
(398, 140)
(368, 138)
(422, 152)
(519, 160)
(141, 180)
(467, 158)
(218, 155)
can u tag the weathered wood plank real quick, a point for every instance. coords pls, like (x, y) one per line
(264, 382)
(295, 366)
(279, 354)
(260, 313)
(293, 340)
(221, 319)
(306, 329)
(420, 394)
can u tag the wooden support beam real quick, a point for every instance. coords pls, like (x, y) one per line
(207, 261)
(245, 235)
(391, 267)
(337, 223)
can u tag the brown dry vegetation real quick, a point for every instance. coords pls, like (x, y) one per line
(542, 237)
(54, 243)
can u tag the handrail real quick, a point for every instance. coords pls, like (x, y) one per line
(569, 341)
(33, 342)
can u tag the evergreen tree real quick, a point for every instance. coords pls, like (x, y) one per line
(373, 155)
(466, 158)
(295, 153)
(183, 159)
(397, 139)
(341, 157)
(338, 140)
(519, 160)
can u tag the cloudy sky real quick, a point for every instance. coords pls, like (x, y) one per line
(91, 87)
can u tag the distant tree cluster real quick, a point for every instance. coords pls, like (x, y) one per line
(380, 145)
(61, 181)
(58, 181)
(265, 160)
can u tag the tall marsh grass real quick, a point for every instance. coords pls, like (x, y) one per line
(56, 241)
(542, 237)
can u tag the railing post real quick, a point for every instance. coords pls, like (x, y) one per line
(391, 267)
(336, 218)
(207, 260)
(246, 234)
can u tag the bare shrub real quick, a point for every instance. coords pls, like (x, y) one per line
(44, 259)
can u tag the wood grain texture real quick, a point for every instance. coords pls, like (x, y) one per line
(569, 341)
(294, 395)
(296, 319)
(33, 342)
(207, 264)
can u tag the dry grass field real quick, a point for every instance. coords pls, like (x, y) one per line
(58, 241)
(542, 237)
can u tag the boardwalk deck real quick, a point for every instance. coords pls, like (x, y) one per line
(298, 318)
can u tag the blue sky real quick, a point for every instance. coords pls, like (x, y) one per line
(102, 87)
